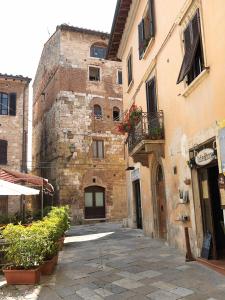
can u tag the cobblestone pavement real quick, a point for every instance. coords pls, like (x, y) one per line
(106, 261)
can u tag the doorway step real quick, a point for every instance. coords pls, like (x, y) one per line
(94, 221)
(216, 265)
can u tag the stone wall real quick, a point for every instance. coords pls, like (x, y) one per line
(11, 129)
(63, 115)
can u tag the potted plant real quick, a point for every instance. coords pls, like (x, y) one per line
(62, 215)
(131, 119)
(50, 260)
(155, 133)
(24, 253)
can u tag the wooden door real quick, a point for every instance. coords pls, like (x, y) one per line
(161, 204)
(94, 198)
(137, 196)
(206, 207)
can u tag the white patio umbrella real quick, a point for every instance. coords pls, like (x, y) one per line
(12, 189)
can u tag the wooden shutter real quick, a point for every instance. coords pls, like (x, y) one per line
(3, 152)
(95, 148)
(151, 17)
(4, 205)
(141, 38)
(12, 104)
(191, 40)
(151, 96)
(100, 149)
(129, 69)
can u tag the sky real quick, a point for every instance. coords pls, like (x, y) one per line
(25, 25)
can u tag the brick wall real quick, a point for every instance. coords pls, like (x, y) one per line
(11, 129)
(63, 115)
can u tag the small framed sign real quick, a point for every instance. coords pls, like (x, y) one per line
(222, 148)
(206, 246)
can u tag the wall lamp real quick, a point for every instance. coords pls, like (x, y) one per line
(129, 168)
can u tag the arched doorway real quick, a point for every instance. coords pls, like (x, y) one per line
(160, 203)
(94, 202)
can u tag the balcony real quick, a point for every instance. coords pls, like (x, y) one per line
(146, 137)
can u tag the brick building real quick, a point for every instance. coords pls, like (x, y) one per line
(77, 105)
(13, 130)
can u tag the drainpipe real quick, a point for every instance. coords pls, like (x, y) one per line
(24, 137)
(23, 163)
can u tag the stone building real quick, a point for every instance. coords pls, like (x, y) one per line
(172, 63)
(77, 103)
(14, 92)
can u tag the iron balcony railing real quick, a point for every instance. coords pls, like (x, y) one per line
(150, 126)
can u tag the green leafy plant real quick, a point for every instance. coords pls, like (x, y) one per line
(132, 118)
(26, 246)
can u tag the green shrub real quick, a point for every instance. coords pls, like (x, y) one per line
(29, 246)
(26, 246)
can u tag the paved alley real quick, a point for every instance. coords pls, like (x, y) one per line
(106, 261)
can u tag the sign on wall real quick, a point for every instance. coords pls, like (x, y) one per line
(205, 156)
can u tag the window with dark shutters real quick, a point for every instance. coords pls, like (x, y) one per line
(146, 28)
(129, 69)
(3, 152)
(193, 61)
(12, 104)
(151, 95)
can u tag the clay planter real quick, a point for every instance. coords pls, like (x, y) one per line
(61, 243)
(48, 266)
(22, 276)
(55, 258)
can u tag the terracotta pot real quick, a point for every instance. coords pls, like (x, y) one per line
(56, 257)
(22, 276)
(61, 243)
(48, 266)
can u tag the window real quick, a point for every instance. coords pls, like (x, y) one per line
(3, 152)
(151, 95)
(129, 69)
(98, 149)
(116, 113)
(97, 111)
(8, 104)
(119, 77)
(98, 51)
(146, 28)
(94, 74)
(193, 61)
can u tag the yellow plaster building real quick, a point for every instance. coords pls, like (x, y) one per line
(172, 55)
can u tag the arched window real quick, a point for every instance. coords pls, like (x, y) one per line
(98, 51)
(97, 111)
(116, 113)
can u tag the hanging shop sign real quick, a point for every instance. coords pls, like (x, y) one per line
(205, 156)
